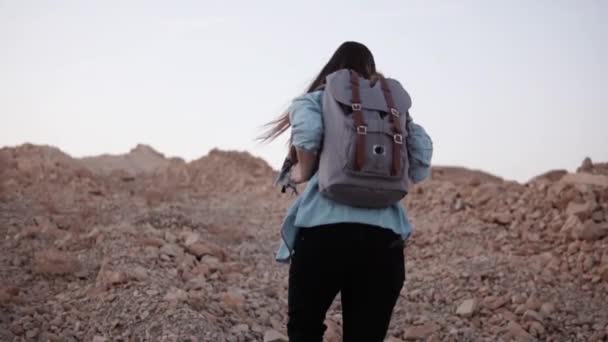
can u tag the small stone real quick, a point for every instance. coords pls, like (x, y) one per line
(518, 299)
(233, 299)
(516, 332)
(467, 308)
(533, 303)
(170, 237)
(175, 295)
(201, 269)
(532, 315)
(199, 249)
(536, 329)
(55, 262)
(494, 303)
(152, 293)
(588, 263)
(31, 334)
(520, 309)
(17, 329)
(602, 272)
(152, 242)
(502, 218)
(572, 225)
(574, 247)
(212, 262)
(116, 278)
(99, 339)
(274, 336)
(196, 283)
(240, 328)
(189, 238)
(171, 250)
(433, 338)
(139, 273)
(48, 336)
(598, 216)
(592, 231)
(547, 309)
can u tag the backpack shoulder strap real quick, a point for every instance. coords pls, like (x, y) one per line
(395, 119)
(359, 121)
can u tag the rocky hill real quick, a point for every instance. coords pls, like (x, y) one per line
(140, 247)
(139, 160)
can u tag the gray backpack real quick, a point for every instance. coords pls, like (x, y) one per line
(364, 159)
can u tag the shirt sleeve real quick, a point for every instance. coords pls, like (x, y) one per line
(306, 119)
(420, 148)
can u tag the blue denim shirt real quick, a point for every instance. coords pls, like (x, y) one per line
(313, 209)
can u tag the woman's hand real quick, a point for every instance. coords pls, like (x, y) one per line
(296, 174)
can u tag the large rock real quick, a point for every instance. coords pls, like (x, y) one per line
(571, 227)
(485, 192)
(233, 299)
(467, 308)
(199, 249)
(420, 332)
(603, 273)
(582, 210)
(586, 165)
(515, 332)
(274, 336)
(560, 194)
(592, 231)
(586, 179)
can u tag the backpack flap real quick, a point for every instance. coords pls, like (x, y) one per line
(340, 87)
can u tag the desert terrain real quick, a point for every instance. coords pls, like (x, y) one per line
(141, 247)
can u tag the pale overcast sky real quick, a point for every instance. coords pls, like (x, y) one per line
(512, 87)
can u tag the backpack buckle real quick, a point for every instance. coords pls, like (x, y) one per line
(398, 138)
(395, 112)
(361, 129)
(356, 106)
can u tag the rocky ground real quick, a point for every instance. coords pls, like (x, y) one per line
(145, 248)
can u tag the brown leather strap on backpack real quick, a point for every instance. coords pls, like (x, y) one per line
(360, 124)
(396, 121)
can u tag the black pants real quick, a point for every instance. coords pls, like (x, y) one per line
(364, 263)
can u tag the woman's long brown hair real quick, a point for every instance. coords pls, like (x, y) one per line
(350, 55)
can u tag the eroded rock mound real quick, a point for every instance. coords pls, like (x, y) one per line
(141, 159)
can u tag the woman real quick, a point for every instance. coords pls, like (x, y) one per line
(335, 248)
